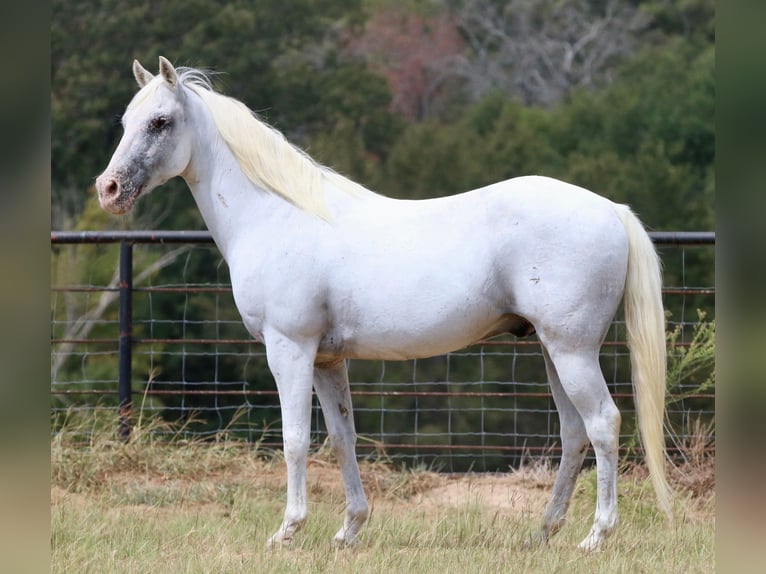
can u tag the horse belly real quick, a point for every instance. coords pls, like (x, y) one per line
(425, 288)
(412, 329)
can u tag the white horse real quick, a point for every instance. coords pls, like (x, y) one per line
(324, 270)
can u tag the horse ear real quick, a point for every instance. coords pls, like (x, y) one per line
(168, 72)
(143, 76)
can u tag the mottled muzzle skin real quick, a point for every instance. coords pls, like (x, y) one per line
(119, 187)
(153, 148)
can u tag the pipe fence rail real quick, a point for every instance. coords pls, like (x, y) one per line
(145, 321)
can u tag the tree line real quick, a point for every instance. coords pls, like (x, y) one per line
(417, 99)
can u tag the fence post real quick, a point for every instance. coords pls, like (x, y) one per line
(124, 390)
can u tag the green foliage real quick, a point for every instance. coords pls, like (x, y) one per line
(646, 139)
(691, 19)
(430, 160)
(517, 140)
(690, 372)
(691, 363)
(649, 139)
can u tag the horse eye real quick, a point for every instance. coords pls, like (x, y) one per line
(158, 123)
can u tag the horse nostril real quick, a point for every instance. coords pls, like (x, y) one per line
(111, 187)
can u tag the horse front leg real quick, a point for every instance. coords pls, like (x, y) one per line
(332, 388)
(292, 364)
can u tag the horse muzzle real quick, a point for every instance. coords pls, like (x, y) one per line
(115, 197)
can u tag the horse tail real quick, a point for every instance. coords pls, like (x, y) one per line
(645, 322)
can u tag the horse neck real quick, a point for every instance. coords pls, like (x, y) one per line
(235, 209)
(227, 200)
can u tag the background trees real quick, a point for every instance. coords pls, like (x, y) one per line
(416, 99)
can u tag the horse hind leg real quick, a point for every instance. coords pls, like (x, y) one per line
(583, 383)
(332, 388)
(574, 445)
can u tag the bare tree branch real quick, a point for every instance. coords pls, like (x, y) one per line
(540, 50)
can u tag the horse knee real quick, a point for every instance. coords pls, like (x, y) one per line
(295, 446)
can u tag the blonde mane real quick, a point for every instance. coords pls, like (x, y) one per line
(265, 155)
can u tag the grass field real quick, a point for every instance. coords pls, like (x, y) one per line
(152, 507)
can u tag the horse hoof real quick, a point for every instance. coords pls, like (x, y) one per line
(591, 544)
(536, 540)
(277, 542)
(340, 541)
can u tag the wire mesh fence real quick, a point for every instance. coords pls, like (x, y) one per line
(192, 362)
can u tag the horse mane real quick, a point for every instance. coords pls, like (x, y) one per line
(264, 154)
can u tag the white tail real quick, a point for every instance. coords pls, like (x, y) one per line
(645, 321)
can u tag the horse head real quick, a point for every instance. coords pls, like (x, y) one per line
(155, 145)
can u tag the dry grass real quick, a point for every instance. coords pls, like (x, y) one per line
(194, 507)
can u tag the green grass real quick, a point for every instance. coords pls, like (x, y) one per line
(152, 507)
